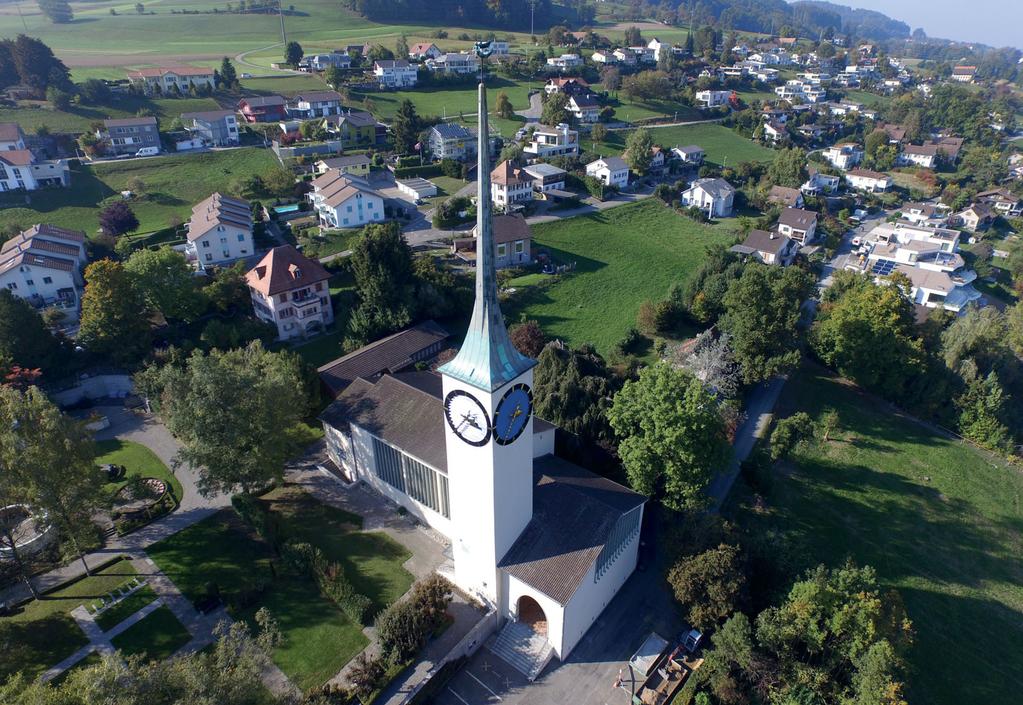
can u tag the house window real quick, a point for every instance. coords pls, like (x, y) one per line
(520, 247)
(205, 243)
(406, 474)
(502, 250)
(12, 286)
(30, 282)
(241, 237)
(209, 258)
(47, 280)
(227, 253)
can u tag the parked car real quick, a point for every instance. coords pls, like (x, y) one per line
(147, 152)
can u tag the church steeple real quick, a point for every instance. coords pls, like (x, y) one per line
(487, 359)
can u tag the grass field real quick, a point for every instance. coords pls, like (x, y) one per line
(173, 185)
(723, 146)
(871, 100)
(79, 118)
(42, 632)
(156, 637)
(323, 348)
(624, 256)
(138, 461)
(448, 101)
(125, 608)
(940, 521)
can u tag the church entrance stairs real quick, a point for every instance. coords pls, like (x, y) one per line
(522, 648)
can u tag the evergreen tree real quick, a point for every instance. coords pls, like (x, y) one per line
(382, 266)
(293, 54)
(405, 127)
(503, 106)
(58, 11)
(228, 74)
(555, 109)
(24, 338)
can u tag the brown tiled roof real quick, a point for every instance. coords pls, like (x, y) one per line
(764, 241)
(336, 188)
(35, 260)
(509, 228)
(40, 237)
(357, 118)
(10, 132)
(219, 210)
(506, 174)
(284, 268)
(895, 132)
(929, 149)
(784, 195)
(797, 218)
(574, 511)
(390, 354)
(867, 173)
(352, 160)
(17, 157)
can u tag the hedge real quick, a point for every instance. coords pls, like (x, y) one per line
(424, 172)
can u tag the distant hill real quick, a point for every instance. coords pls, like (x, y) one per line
(497, 14)
(861, 23)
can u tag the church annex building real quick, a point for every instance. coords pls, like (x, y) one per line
(545, 542)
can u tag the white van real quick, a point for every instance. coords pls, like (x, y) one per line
(147, 152)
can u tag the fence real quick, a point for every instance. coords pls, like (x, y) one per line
(307, 150)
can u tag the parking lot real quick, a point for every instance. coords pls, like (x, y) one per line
(588, 677)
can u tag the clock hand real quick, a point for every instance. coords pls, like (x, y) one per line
(516, 414)
(471, 420)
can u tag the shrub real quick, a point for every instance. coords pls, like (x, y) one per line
(789, 432)
(404, 627)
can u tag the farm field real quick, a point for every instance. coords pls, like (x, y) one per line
(718, 142)
(173, 184)
(940, 521)
(624, 256)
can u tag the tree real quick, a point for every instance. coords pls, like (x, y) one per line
(293, 54)
(638, 154)
(633, 37)
(378, 52)
(230, 409)
(788, 168)
(63, 481)
(710, 584)
(167, 283)
(828, 423)
(24, 338)
(228, 74)
(381, 263)
(710, 360)
(59, 99)
(335, 77)
(228, 290)
(117, 219)
(672, 435)
(280, 181)
(598, 134)
(504, 107)
(982, 410)
(405, 127)
(57, 11)
(94, 91)
(401, 47)
(789, 432)
(647, 85)
(573, 389)
(528, 338)
(555, 109)
(761, 313)
(110, 322)
(36, 64)
(611, 79)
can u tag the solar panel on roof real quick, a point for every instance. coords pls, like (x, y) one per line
(883, 267)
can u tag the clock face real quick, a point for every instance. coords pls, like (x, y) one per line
(512, 414)
(467, 417)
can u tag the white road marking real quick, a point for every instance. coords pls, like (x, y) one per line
(483, 684)
(458, 696)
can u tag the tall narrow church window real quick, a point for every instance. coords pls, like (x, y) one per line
(420, 482)
(388, 464)
(622, 533)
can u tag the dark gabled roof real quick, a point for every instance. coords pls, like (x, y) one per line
(208, 115)
(784, 195)
(764, 241)
(574, 511)
(319, 97)
(390, 354)
(129, 122)
(453, 131)
(797, 218)
(263, 101)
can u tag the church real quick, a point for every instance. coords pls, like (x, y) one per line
(545, 542)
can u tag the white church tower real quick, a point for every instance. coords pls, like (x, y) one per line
(489, 419)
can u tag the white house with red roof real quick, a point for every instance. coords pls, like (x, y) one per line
(43, 266)
(290, 291)
(19, 167)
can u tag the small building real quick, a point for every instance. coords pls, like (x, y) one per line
(315, 104)
(546, 177)
(450, 140)
(569, 86)
(509, 185)
(417, 189)
(322, 62)
(714, 196)
(173, 79)
(775, 132)
(556, 141)
(512, 242)
(455, 63)
(354, 164)
(214, 128)
(712, 99)
(606, 58)
(584, 108)
(784, 196)
(395, 74)
(19, 167)
(925, 155)
(867, 180)
(843, 156)
(964, 74)
(975, 218)
(819, 183)
(11, 137)
(129, 135)
(423, 51)
(768, 247)
(798, 224)
(220, 231)
(345, 201)
(610, 171)
(565, 62)
(267, 108)
(924, 214)
(43, 265)
(290, 291)
(1004, 201)
(690, 155)
(356, 129)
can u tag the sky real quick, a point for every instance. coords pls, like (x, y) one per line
(995, 22)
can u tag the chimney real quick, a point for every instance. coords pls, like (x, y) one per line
(772, 234)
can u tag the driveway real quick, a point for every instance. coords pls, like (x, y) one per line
(535, 109)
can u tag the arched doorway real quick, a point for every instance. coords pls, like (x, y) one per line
(531, 613)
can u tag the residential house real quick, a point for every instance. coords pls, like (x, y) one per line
(546, 177)
(315, 104)
(610, 171)
(129, 135)
(565, 62)
(267, 108)
(844, 155)
(19, 167)
(690, 155)
(219, 231)
(975, 218)
(355, 165)
(949, 148)
(811, 132)
(290, 291)
(509, 185)
(715, 196)
(355, 129)
(172, 79)
(625, 56)
(43, 265)
(924, 214)
(11, 137)
(643, 55)
(499, 47)
(768, 247)
(798, 224)
(712, 99)
(322, 62)
(1004, 202)
(896, 133)
(455, 63)
(867, 180)
(784, 196)
(925, 155)
(345, 201)
(584, 108)
(819, 183)
(964, 74)
(216, 128)
(450, 140)
(568, 86)
(512, 242)
(657, 160)
(775, 132)
(552, 142)
(423, 51)
(606, 58)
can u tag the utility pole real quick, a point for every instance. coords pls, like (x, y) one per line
(532, 12)
(280, 13)
(23, 23)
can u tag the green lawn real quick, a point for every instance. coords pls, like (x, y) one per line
(871, 100)
(939, 520)
(323, 348)
(322, 244)
(80, 118)
(138, 461)
(723, 146)
(624, 256)
(449, 102)
(156, 637)
(173, 184)
(318, 638)
(44, 631)
(125, 608)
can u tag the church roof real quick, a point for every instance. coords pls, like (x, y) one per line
(574, 511)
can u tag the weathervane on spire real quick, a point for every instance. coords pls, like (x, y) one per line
(482, 50)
